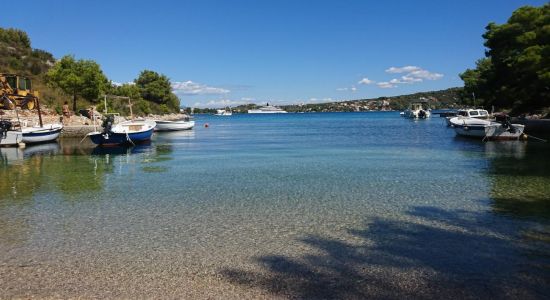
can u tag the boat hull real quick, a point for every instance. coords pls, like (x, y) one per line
(11, 138)
(486, 129)
(125, 133)
(115, 139)
(413, 114)
(174, 125)
(35, 135)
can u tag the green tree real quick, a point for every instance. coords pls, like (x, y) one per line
(15, 37)
(516, 72)
(82, 78)
(157, 88)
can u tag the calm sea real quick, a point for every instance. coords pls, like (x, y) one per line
(324, 205)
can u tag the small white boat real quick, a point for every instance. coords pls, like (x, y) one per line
(41, 134)
(470, 113)
(268, 109)
(223, 112)
(174, 125)
(500, 129)
(9, 137)
(417, 110)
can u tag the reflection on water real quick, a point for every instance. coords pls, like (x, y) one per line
(49, 168)
(511, 149)
(520, 178)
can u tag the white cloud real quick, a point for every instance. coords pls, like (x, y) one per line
(345, 89)
(410, 79)
(192, 88)
(425, 75)
(116, 83)
(405, 69)
(365, 81)
(386, 85)
(395, 81)
(413, 74)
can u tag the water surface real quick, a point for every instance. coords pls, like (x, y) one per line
(332, 205)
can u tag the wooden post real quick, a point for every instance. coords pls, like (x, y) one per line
(130, 106)
(39, 112)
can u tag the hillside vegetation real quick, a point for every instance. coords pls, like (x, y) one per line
(80, 81)
(448, 98)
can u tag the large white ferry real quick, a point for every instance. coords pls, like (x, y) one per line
(268, 109)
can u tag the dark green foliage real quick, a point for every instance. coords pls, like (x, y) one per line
(154, 86)
(516, 72)
(82, 78)
(17, 56)
(157, 88)
(140, 106)
(15, 38)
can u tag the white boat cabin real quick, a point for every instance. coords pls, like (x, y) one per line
(473, 113)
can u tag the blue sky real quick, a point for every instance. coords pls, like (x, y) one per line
(220, 53)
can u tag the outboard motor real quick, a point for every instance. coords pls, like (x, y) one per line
(4, 127)
(505, 121)
(108, 124)
(422, 114)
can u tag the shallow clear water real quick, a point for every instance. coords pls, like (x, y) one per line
(297, 205)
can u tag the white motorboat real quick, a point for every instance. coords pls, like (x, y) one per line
(470, 113)
(174, 125)
(41, 134)
(500, 129)
(268, 109)
(417, 110)
(223, 112)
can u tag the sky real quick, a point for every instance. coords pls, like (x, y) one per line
(232, 52)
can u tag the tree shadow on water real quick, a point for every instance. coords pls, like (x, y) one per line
(434, 254)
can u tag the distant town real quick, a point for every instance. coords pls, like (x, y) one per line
(448, 98)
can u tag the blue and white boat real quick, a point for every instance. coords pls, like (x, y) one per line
(41, 134)
(124, 133)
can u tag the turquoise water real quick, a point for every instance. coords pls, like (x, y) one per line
(332, 205)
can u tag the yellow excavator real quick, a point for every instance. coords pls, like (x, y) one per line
(16, 90)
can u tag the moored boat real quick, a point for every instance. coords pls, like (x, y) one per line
(124, 133)
(9, 137)
(417, 110)
(174, 125)
(500, 129)
(469, 113)
(223, 112)
(41, 134)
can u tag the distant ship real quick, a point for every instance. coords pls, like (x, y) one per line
(268, 109)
